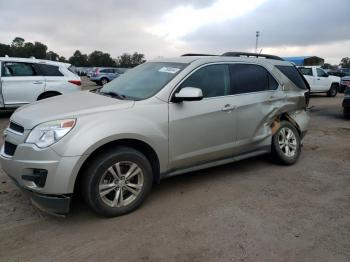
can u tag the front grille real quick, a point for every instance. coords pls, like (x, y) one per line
(9, 148)
(16, 127)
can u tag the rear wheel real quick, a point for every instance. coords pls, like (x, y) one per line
(286, 144)
(332, 92)
(117, 182)
(104, 81)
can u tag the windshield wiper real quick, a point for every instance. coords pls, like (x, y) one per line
(114, 94)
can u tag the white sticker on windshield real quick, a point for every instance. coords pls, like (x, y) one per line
(170, 70)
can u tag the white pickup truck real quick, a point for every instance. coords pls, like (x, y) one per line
(320, 81)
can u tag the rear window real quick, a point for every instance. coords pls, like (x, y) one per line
(294, 75)
(49, 70)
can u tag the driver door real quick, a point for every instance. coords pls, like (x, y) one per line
(203, 131)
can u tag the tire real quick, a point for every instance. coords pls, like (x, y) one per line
(346, 113)
(105, 186)
(104, 81)
(279, 145)
(332, 92)
(48, 95)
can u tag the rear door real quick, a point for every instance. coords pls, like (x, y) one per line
(258, 99)
(54, 79)
(21, 83)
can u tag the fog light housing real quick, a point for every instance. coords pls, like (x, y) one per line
(38, 177)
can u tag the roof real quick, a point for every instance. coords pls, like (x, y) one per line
(213, 59)
(33, 60)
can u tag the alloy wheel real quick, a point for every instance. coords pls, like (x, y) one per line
(287, 142)
(121, 184)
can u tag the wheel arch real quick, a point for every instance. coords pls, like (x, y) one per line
(42, 95)
(136, 144)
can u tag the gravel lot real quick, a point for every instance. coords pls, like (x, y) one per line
(246, 211)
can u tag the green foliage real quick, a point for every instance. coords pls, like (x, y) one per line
(20, 48)
(128, 60)
(79, 59)
(345, 62)
(98, 58)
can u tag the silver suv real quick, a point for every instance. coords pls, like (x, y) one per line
(160, 119)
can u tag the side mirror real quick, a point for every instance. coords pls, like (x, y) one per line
(188, 94)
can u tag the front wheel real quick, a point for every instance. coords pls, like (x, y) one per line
(117, 182)
(333, 91)
(286, 144)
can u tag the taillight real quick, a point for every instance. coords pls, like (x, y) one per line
(75, 82)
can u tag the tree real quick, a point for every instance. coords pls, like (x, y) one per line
(62, 59)
(52, 56)
(5, 50)
(18, 42)
(128, 60)
(345, 62)
(98, 58)
(79, 59)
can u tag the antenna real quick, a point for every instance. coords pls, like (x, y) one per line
(257, 41)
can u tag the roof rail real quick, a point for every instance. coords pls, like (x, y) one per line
(238, 54)
(197, 55)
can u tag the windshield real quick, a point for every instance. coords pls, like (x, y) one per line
(144, 80)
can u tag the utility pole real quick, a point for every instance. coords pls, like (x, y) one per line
(257, 41)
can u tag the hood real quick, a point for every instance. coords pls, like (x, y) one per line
(347, 78)
(66, 106)
(335, 78)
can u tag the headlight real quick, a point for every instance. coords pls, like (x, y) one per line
(48, 133)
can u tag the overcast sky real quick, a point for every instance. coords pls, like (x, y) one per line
(165, 28)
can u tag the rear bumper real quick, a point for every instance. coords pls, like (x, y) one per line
(53, 204)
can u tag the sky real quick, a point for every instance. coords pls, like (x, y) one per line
(166, 28)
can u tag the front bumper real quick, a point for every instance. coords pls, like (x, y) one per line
(346, 102)
(52, 193)
(53, 204)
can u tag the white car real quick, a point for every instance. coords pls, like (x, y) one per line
(25, 80)
(320, 81)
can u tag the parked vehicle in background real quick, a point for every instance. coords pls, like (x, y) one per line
(25, 80)
(160, 119)
(90, 71)
(344, 83)
(346, 102)
(103, 75)
(320, 81)
(340, 72)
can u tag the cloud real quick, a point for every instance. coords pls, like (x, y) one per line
(172, 27)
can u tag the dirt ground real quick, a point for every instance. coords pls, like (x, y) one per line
(246, 211)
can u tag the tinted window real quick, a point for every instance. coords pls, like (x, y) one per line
(321, 73)
(212, 79)
(107, 71)
(247, 78)
(294, 75)
(306, 71)
(19, 69)
(49, 70)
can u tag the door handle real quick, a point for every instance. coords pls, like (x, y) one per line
(228, 108)
(38, 82)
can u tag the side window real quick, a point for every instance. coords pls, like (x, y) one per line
(19, 69)
(306, 71)
(49, 70)
(321, 73)
(248, 78)
(212, 79)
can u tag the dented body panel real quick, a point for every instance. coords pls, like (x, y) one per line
(184, 136)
